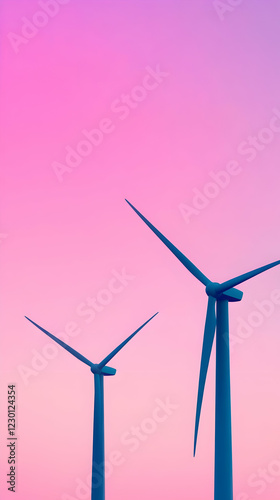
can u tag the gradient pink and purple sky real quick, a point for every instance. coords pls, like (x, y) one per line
(61, 242)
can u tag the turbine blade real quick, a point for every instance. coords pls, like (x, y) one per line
(180, 256)
(115, 351)
(209, 333)
(65, 346)
(244, 277)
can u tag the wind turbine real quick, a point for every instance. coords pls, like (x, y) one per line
(99, 370)
(219, 295)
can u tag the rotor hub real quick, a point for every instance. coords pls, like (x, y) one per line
(212, 290)
(231, 295)
(105, 370)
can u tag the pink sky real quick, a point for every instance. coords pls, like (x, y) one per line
(197, 90)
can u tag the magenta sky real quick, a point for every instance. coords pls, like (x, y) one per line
(181, 101)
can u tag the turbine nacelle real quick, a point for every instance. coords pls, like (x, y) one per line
(105, 370)
(232, 294)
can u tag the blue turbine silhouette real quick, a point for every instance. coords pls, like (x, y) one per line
(99, 370)
(219, 295)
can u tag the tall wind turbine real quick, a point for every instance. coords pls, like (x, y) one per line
(99, 370)
(219, 295)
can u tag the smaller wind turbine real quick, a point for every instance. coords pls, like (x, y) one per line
(99, 370)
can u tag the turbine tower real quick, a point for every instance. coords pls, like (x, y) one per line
(219, 295)
(99, 370)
